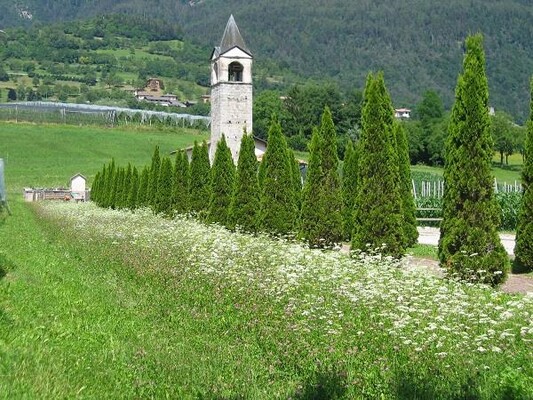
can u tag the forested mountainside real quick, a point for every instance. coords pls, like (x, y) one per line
(417, 43)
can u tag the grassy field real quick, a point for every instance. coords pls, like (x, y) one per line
(48, 155)
(106, 304)
(100, 303)
(507, 173)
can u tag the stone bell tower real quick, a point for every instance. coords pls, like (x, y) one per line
(231, 90)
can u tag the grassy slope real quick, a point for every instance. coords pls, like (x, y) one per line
(508, 173)
(73, 325)
(48, 155)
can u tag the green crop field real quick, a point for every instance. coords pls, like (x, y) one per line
(48, 155)
(98, 303)
(507, 173)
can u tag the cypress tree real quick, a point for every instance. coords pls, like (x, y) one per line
(349, 188)
(261, 173)
(296, 179)
(154, 178)
(180, 185)
(122, 202)
(163, 199)
(200, 184)
(469, 246)
(244, 210)
(524, 231)
(222, 184)
(278, 202)
(408, 202)
(310, 218)
(331, 196)
(131, 202)
(107, 195)
(99, 197)
(94, 188)
(116, 191)
(144, 183)
(378, 215)
(321, 219)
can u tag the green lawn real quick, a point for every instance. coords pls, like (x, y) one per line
(101, 303)
(507, 173)
(48, 155)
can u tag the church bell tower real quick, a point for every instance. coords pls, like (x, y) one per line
(231, 90)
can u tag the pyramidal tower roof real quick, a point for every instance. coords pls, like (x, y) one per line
(232, 37)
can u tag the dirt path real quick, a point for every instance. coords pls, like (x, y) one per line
(514, 284)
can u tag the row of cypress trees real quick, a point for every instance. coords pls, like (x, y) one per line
(270, 198)
(370, 203)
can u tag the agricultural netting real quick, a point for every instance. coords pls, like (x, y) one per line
(88, 114)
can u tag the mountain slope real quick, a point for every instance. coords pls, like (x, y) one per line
(418, 43)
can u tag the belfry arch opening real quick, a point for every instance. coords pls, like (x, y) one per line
(235, 70)
(215, 71)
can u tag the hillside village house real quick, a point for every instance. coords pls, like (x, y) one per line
(402, 113)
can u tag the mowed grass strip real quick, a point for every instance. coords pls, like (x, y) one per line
(76, 323)
(103, 303)
(49, 155)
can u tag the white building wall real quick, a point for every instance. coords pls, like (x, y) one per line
(77, 184)
(231, 115)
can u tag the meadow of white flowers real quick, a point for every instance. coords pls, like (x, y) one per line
(342, 303)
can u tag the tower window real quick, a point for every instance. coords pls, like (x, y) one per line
(235, 72)
(215, 70)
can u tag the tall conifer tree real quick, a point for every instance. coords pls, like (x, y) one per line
(469, 246)
(331, 196)
(163, 200)
(244, 211)
(95, 187)
(408, 202)
(131, 202)
(349, 188)
(151, 194)
(524, 231)
(310, 217)
(378, 214)
(278, 202)
(107, 196)
(222, 184)
(180, 185)
(126, 187)
(200, 185)
(296, 179)
(116, 192)
(144, 183)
